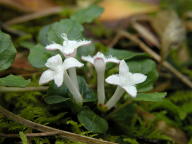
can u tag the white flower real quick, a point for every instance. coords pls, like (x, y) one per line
(57, 69)
(126, 79)
(99, 61)
(69, 47)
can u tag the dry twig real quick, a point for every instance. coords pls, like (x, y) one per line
(33, 16)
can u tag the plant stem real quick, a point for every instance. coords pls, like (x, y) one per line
(16, 89)
(65, 134)
(100, 87)
(73, 76)
(42, 134)
(115, 98)
(73, 89)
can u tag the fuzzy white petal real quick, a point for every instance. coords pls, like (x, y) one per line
(83, 42)
(138, 78)
(71, 62)
(99, 55)
(46, 76)
(112, 59)
(54, 61)
(88, 59)
(70, 46)
(123, 68)
(67, 50)
(53, 46)
(113, 79)
(131, 90)
(58, 78)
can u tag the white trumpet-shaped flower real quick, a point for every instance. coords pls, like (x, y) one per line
(100, 57)
(57, 69)
(99, 61)
(69, 47)
(126, 81)
(58, 72)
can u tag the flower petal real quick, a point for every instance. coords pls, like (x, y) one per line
(58, 78)
(113, 79)
(131, 90)
(83, 42)
(112, 59)
(123, 68)
(99, 55)
(138, 78)
(69, 46)
(53, 46)
(54, 61)
(88, 59)
(46, 76)
(71, 62)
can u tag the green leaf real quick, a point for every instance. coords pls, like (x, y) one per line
(144, 66)
(147, 67)
(54, 99)
(154, 97)
(71, 28)
(52, 33)
(124, 54)
(56, 94)
(14, 81)
(42, 36)
(87, 93)
(148, 84)
(38, 55)
(7, 51)
(86, 50)
(87, 15)
(23, 138)
(92, 121)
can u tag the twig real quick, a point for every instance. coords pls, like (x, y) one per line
(155, 56)
(43, 128)
(115, 40)
(30, 134)
(32, 16)
(16, 89)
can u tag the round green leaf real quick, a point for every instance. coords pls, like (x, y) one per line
(14, 81)
(7, 51)
(124, 54)
(92, 121)
(54, 99)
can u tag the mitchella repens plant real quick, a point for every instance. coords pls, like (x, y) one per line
(65, 72)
